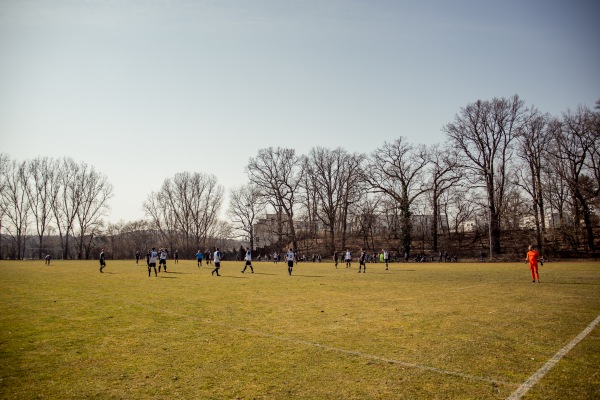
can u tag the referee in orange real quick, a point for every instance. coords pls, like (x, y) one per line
(532, 259)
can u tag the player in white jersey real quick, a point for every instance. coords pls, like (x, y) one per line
(289, 256)
(348, 258)
(248, 258)
(163, 259)
(386, 258)
(152, 255)
(217, 261)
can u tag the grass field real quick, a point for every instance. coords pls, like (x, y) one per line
(417, 331)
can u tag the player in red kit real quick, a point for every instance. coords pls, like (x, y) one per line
(532, 259)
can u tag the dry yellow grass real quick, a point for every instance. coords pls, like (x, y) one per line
(430, 331)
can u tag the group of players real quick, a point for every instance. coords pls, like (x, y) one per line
(532, 259)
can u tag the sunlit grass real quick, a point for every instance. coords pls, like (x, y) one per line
(416, 331)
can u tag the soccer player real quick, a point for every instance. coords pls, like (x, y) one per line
(163, 259)
(290, 261)
(47, 258)
(176, 257)
(199, 257)
(137, 257)
(217, 261)
(361, 261)
(532, 258)
(102, 260)
(386, 258)
(152, 255)
(335, 258)
(248, 261)
(348, 258)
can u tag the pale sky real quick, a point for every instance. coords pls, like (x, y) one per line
(144, 89)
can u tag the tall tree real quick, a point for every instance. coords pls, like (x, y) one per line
(66, 203)
(397, 170)
(187, 206)
(533, 143)
(245, 205)
(573, 145)
(4, 167)
(278, 173)
(444, 172)
(14, 203)
(92, 191)
(483, 133)
(332, 176)
(42, 189)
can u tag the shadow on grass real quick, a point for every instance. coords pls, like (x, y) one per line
(264, 273)
(569, 283)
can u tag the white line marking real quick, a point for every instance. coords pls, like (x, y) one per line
(336, 349)
(535, 378)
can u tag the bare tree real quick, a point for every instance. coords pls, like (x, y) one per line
(444, 173)
(397, 170)
(4, 168)
(92, 191)
(277, 172)
(187, 206)
(161, 216)
(66, 203)
(533, 143)
(483, 133)
(572, 147)
(42, 189)
(331, 175)
(366, 214)
(245, 205)
(14, 204)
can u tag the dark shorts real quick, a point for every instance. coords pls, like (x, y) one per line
(162, 262)
(217, 264)
(290, 264)
(248, 262)
(150, 265)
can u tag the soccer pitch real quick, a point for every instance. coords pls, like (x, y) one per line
(417, 331)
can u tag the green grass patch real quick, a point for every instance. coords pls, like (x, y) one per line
(431, 331)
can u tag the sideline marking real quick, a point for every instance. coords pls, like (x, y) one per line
(336, 349)
(535, 378)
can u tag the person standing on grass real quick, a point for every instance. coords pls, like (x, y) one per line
(348, 258)
(386, 258)
(199, 257)
(217, 260)
(361, 261)
(137, 257)
(47, 259)
(335, 258)
(176, 255)
(163, 259)
(289, 256)
(102, 260)
(248, 259)
(532, 259)
(152, 255)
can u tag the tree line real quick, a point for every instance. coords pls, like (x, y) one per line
(505, 171)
